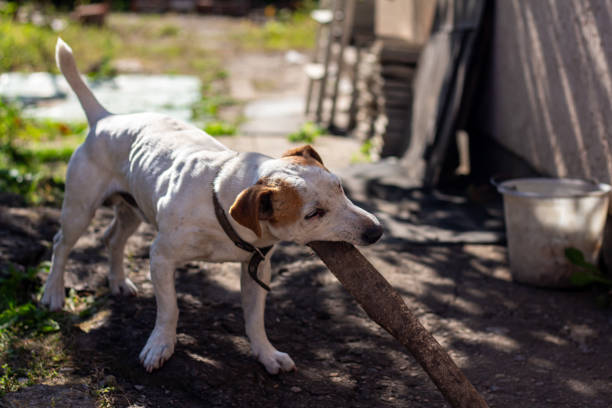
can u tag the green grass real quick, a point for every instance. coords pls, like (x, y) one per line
(29, 48)
(161, 46)
(33, 155)
(289, 31)
(31, 337)
(308, 133)
(20, 320)
(18, 310)
(364, 155)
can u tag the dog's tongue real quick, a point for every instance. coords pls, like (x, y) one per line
(385, 306)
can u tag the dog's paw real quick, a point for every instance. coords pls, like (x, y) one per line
(276, 361)
(158, 349)
(123, 287)
(53, 298)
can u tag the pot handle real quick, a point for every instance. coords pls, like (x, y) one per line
(497, 179)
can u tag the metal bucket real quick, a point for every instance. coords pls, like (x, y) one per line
(544, 217)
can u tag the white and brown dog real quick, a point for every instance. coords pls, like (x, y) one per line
(170, 174)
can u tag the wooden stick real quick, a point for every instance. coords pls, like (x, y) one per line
(386, 307)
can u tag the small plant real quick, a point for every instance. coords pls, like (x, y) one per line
(220, 128)
(103, 69)
(588, 273)
(168, 30)
(18, 309)
(8, 381)
(308, 133)
(34, 153)
(208, 107)
(10, 124)
(29, 346)
(364, 155)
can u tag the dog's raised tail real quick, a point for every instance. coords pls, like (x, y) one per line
(66, 63)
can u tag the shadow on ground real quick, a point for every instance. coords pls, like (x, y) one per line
(519, 345)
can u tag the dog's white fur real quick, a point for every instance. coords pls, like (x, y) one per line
(168, 167)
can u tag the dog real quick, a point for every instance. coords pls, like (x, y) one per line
(174, 176)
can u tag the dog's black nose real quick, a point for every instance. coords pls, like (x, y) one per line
(372, 234)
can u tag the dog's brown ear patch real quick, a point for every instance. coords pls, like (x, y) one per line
(252, 205)
(306, 152)
(274, 201)
(286, 203)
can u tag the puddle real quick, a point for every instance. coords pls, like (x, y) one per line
(48, 96)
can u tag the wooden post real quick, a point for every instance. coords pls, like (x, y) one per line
(386, 307)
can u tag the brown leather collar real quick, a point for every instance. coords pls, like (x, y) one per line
(258, 254)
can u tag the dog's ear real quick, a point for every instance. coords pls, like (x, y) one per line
(253, 205)
(307, 152)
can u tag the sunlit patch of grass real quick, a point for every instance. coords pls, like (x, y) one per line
(220, 128)
(29, 360)
(26, 47)
(308, 133)
(161, 46)
(34, 154)
(23, 324)
(364, 155)
(18, 310)
(294, 31)
(168, 30)
(31, 337)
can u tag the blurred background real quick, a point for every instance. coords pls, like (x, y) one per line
(416, 104)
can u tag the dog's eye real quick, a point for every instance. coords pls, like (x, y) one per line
(317, 212)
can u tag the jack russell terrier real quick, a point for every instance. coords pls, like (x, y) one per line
(172, 175)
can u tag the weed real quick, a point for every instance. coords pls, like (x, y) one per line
(168, 30)
(588, 273)
(18, 309)
(8, 9)
(21, 320)
(220, 128)
(364, 155)
(308, 133)
(31, 151)
(104, 69)
(10, 124)
(8, 381)
(105, 397)
(205, 108)
(206, 112)
(26, 47)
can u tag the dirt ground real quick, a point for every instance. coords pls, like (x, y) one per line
(519, 345)
(444, 251)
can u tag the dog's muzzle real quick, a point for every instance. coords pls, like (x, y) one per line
(372, 234)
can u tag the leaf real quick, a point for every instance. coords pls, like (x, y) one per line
(575, 256)
(49, 326)
(584, 278)
(581, 279)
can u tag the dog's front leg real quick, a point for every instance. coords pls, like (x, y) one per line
(253, 305)
(160, 345)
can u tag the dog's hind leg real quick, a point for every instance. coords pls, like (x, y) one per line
(124, 224)
(253, 306)
(84, 191)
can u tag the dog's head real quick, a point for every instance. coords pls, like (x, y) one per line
(299, 200)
